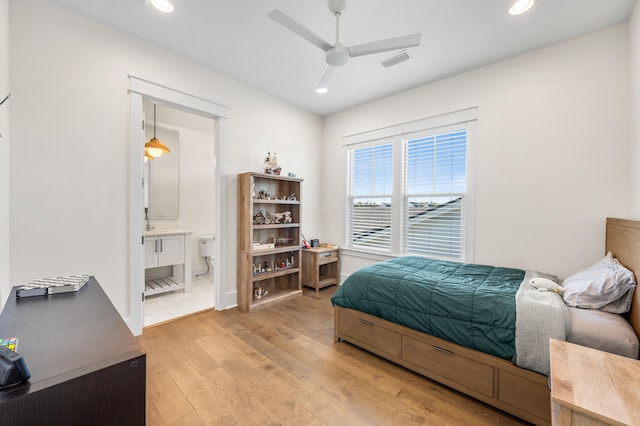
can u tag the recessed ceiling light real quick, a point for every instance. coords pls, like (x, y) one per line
(322, 90)
(520, 6)
(163, 5)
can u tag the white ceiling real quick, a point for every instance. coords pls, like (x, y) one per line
(237, 39)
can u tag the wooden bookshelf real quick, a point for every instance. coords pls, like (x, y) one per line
(267, 275)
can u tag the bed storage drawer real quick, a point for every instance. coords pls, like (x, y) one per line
(369, 334)
(441, 359)
(531, 395)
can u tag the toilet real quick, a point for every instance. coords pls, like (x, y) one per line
(206, 245)
(207, 250)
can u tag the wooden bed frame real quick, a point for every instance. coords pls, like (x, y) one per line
(487, 378)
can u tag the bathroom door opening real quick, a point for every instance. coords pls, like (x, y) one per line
(179, 194)
(141, 91)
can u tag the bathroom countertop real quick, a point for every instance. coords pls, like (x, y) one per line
(169, 231)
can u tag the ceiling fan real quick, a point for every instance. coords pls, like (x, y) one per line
(338, 54)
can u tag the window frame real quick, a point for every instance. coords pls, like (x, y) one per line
(399, 135)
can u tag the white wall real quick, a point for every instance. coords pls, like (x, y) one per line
(550, 151)
(70, 154)
(5, 285)
(634, 111)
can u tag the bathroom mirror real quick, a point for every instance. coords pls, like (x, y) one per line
(162, 176)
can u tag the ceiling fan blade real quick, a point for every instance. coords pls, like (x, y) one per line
(324, 79)
(286, 21)
(395, 43)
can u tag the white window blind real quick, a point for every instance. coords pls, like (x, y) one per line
(370, 193)
(435, 181)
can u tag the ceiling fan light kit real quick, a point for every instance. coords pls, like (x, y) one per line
(163, 5)
(519, 7)
(338, 54)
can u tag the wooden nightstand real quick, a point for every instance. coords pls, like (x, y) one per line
(320, 267)
(591, 387)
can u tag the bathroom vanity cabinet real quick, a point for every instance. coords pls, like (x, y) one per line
(268, 239)
(167, 261)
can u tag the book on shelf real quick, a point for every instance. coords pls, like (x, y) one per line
(46, 286)
(263, 246)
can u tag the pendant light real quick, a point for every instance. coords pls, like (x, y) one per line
(154, 148)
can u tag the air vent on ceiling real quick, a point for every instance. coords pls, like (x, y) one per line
(395, 59)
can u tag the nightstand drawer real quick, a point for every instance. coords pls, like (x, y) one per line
(327, 257)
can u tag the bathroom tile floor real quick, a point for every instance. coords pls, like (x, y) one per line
(166, 306)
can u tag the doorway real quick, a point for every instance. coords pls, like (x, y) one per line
(141, 91)
(179, 196)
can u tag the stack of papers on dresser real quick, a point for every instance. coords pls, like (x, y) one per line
(46, 286)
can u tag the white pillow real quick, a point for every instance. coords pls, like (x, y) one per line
(607, 286)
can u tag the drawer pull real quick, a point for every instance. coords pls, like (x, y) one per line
(442, 350)
(328, 254)
(366, 322)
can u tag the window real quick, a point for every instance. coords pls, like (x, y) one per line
(371, 190)
(408, 192)
(434, 194)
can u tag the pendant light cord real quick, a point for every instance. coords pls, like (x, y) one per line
(154, 121)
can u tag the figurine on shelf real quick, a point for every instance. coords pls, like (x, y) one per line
(264, 195)
(259, 218)
(282, 217)
(267, 162)
(259, 292)
(270, 165)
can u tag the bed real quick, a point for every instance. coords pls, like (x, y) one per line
(452, 349)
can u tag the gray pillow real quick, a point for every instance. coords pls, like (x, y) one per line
(603, 331)
(606, 285)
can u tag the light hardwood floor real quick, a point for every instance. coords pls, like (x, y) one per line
(280, 365)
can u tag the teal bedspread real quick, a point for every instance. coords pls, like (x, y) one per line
(471, 305)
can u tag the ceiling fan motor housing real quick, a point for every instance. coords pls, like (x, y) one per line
(337, 6)
(337, 55)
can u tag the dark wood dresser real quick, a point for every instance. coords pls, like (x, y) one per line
(86, 366)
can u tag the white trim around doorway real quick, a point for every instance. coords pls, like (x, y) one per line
(140, 90)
